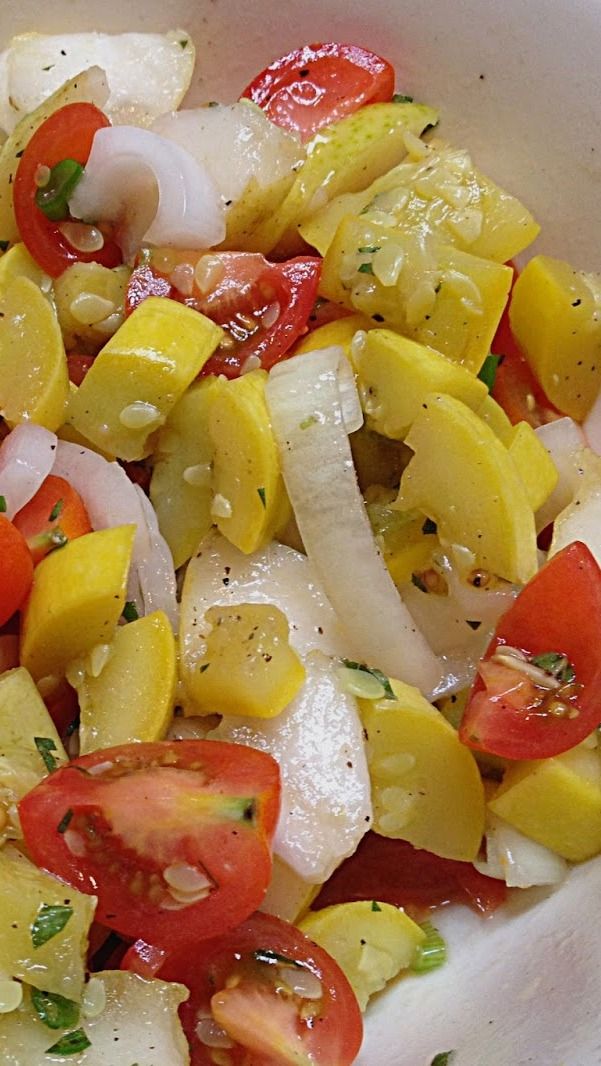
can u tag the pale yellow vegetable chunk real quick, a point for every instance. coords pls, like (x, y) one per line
(288, 895)
(17, 263)
(34, 384)
(181, 484)
(426, 787)
(250, 502)
(23, 716)
(77, 597)
(534, 464)
(395, 375)
(463, 478)
(248, 666)
(132, 697)
(371, 942)
(400, 536)
(341, 332)
(555, 317)
(493, 414)
(90, 302)
(140, 374)
(59, 964)
(556, 802)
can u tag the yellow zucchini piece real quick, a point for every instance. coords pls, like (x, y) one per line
(83, 318)
(59, 964)
(248, 666)
(493, 414)
(534, 464)
(17, 263)
(395, 375)
(132, 697)
(76, 600)
(556, 320)
(180, 488)
(371, 942)
(288, 896)
(463, 478)
(426, 787)
(34, 383)
(341, 332)
(140, 374)
(406, 548)
(436, 294)
(344, 157)
(250, 502)
(556, 802)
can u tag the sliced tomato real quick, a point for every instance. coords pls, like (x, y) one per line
(236, 982)
(66, 134)
(263, 307)
(16, 569)
(395, 872)
(78, 366)
(62, 704)
(53, 516)
(558, 613)
(320, 84)
(173, 838)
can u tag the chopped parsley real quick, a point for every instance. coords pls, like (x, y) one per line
(50, 920)
(379, 676)
(375, 906)
(442, 1059)
(56, 510)
(306, 422)
(2, 504)
(130, 611)
(46, 746)
(54, 1010)
(402, 98)
(366, 268)
(488, 370)
(261, 492)
(556, 664)
(70, 1044)
(369, 249)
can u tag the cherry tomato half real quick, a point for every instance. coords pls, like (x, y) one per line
(55, 511)
(16, 569)
(320, 84)
(236, 983)
(173, 838)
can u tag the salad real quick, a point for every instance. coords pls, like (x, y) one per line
(300, 598)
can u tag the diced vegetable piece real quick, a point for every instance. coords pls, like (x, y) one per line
(581, 519)
(555, 319)
(395, 375)
(131, 698)
(17, 263)
(493, 414)
(250, 501)
(45, 927)
(400, 535)
(140, 374)
(138, 1025)
(340, 332)
(77, 598)
(436, 294)
(248, 666)
(89, 302)
(463, 478)
(34, 383)
(556, 802)
(425, 784)
(288, 895)
(346, 156)
(180, 488)
(534, 464)
(371, 942)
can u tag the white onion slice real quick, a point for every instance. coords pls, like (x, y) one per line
(520, 862)
(156, 572)
(304, 402)
(154, 189)
(592, 426)
(581, 519)
(26, 459)
(563, 440)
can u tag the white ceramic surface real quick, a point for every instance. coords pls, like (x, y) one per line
(519, 84)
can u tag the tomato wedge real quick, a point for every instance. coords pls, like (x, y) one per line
(16, 569)
(262, 307)
(236, 987)
(78, 366)
(53, 516)
(173, 838)
(555, 625)
(320, 84)
(66, 134)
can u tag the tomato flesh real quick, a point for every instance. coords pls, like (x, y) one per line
(55, 510)
(320, 84)
(559, 611)
(140, 813)
(16, 569)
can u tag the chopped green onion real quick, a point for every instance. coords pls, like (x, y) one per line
(130, 611)
(46, 746)
(375, 906)
(261, 492)
(488, 370)
(442, 1059)
(369, 249)
(70, 1044)
(50, 920)
(429, 527)
(556, 664)
(54, 1010)
(306, 422)
(432, 952)
(53, 198)
(2, 504)
(401, 98)
(379, 676)
(64, 822)
(56, 510)
(366, 268)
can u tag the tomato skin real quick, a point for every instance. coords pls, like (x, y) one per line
(16, 569)
(62, 705)
(320, 84)
(78, 366)
(208, 804)
(66, 134)
(559, 610)
(333, 1040)
(34, 520)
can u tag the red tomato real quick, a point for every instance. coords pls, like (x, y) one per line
(55, 511)
(263, 307)
(62, 705)
(320, 84)
(67, 134)
(78, 366)
(393, 871)
(150, 825)
(236, 981)
(16, 569)
(559, 611)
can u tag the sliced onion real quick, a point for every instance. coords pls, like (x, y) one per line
(154, 189)
(563, 440)
(581, 519)
(156, 572)
(26, 459)
(303, 396)
(520, 862)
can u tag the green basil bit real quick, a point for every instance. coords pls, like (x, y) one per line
(130, 611)
(46, 746)
(261, 493)
(54, 1010)
(70, 1044)
(64, 822)
(53, 198)
(488, 370)
(379, 676)
(56, 510)
(273, 957)
(366, 268)
(556, 664)
(375, 906)
(402, 98)
(369, 249)
(50, 920)
(442, 1059)
(2, 504)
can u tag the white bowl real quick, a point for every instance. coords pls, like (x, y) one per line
(519, 84)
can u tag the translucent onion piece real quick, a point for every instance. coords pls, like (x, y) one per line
(26, 459)
(520, 862)
(563, 440)
(156, 572)
(581, 519)
(304, 402)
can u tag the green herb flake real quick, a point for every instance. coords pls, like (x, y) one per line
(54, 1010)
(46, 746)
(432, 952)
(442, 1059)
(366, 268)
(261, 492)
(418, 582)
(53, 198)
(429, 527)
(130, 611)
(555, 664)
(56, 510)
(2, 504)
(64, 822)
(379, 676)
(50, 920)
(375, 906)
(184, 43)
(306, 422)
(70, 1044)
(402, 98)
(369, 249)
(488, 370)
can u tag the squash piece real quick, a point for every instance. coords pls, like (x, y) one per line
(34, 383)
(289, 896)
(340, 332)
(426, 787)
(17, 263)
(76, 600)
(534, 464)
(94, 321)
(407, 547)
(493, 414)
(463, 478)
(140, 374)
